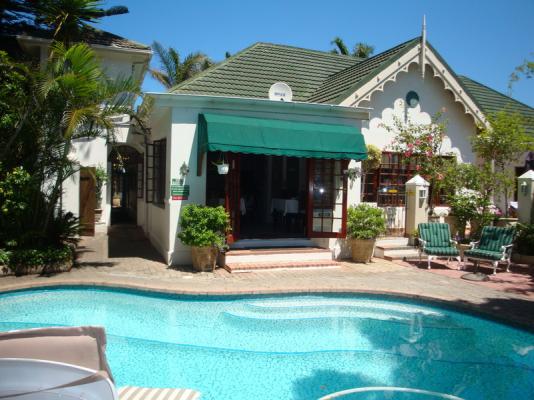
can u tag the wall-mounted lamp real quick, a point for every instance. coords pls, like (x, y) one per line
(524, 187)
(422, 194)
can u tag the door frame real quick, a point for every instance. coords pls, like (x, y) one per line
(309, 210)
(87, 201)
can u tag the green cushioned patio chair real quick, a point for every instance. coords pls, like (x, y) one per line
(495, 246)
(435, 241)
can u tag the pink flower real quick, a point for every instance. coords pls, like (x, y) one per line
(440, 177)
(418, 168)
(429, 153)
(417, 142)
(410, 145)
(408, 154)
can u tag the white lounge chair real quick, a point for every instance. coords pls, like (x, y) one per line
(54, 363)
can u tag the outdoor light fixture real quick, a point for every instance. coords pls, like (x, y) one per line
(524, 186)
(422, 193)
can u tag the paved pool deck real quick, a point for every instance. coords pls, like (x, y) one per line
(126, 259)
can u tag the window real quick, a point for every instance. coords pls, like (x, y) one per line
(155, 171)
(386, 185)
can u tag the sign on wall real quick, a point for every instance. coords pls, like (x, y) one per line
(179, 191)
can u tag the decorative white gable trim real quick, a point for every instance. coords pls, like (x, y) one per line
(415, 56)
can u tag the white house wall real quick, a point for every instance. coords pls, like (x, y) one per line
(389, 104)
(182, 147)
(433, 99)
(88, 153)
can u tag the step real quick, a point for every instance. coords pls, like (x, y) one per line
(298, 254)
(383, 250)
(280, 265)
(392, 255)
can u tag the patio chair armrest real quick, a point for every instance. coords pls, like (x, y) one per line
(474, 245)
(507, 250)
(422, 243)
(454, 242)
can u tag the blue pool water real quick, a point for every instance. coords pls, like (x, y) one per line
(289, 347)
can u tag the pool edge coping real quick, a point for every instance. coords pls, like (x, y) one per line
(473, 309)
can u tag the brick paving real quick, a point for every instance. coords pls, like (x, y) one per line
(126, 259)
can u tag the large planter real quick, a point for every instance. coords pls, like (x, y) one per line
(204, 258)
(362, 249)
(522, 259)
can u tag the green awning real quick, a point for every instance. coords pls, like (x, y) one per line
(229, 133)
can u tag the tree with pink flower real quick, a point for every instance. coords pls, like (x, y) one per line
(422, 145)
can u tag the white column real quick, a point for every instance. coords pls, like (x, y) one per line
(416, 204)
(525, 197)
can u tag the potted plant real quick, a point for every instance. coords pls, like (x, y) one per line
(364, 224)
(524, 244)
(204, 229)
(101, 176)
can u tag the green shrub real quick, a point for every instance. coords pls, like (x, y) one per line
(524, 241)
(203, 226)
(20, 258)
(365, 222)
(4, 257)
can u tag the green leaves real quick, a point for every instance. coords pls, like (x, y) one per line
(203, 226)
(173, 70)
(524, 241)
(365, 222)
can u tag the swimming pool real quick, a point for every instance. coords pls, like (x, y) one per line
(288, 347)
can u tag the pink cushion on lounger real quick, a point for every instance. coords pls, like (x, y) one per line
(82, 346)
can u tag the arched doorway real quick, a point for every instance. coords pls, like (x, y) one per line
(126, 183)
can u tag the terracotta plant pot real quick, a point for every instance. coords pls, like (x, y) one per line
(204, 258)
(522, 259)
(362, 249)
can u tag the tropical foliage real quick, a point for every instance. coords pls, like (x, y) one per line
(174, 69)
(360, 50)
(43, 111)
(524, 241)
(499, 144)
(67, 19)
(365, 222)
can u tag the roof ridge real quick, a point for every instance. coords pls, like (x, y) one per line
(369, 60)
(494, 90)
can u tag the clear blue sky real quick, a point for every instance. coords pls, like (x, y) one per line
(483, 39)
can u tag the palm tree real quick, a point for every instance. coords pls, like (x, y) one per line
(173, 69)
(341, 47)
(361, 50)
(69, 18)
(77, 100)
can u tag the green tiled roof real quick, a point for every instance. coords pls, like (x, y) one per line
(491, 101)
(321, 77)
(251, 72)
(339, 86)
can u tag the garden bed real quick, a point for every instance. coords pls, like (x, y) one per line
(43, 261)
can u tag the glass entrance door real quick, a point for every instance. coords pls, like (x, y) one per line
(327, 191)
